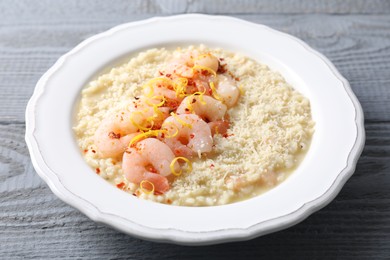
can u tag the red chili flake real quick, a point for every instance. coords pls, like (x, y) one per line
(187, 110)
(136, 98)
(221, 59)
(212, 166)
(169, 201)
(113, 135)
(190, 82)
(152, 169)
(192, 136)
(193, 101)
(156, 126)
(221, 69)
(172, 104)
(127, 151)
(93, 151)
(162, 135)
(121, 185)
(226, 135)
(86, 150)
(159, 72)
(97, 170)
(168, 75)
(135, 194)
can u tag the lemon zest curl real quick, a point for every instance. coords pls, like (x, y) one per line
(145, 190)
(172, 165)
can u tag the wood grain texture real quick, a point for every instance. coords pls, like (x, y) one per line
(357, 45)
(354, 225)
(37, 225)
(114, 9)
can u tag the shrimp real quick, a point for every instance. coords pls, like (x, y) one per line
(111, 138)
(207, 60)
(208, 108)
(187, 135)
(219, 127)
(199, 70)
(202, 82)
(115, 132)
(205, 69)
(149, 160)
(182, 65)
(268, 179)
(165, 89)
(227, 90)
(160, 87)
(144, 114)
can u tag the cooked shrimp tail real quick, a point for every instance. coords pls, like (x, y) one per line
(149, 160)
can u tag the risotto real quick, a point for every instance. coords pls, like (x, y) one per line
(269, 132)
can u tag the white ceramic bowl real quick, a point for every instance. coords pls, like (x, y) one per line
(331, 160)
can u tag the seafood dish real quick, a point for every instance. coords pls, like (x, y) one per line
(193, 126)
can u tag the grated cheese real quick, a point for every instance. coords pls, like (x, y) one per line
(270, 131)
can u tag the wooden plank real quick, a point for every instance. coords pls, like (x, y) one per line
(355, 224)
(352, 33)
(95, 10)
(358, 45)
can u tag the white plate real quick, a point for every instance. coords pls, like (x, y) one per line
(331, 160)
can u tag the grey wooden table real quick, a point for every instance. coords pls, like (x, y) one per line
(354, 34)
